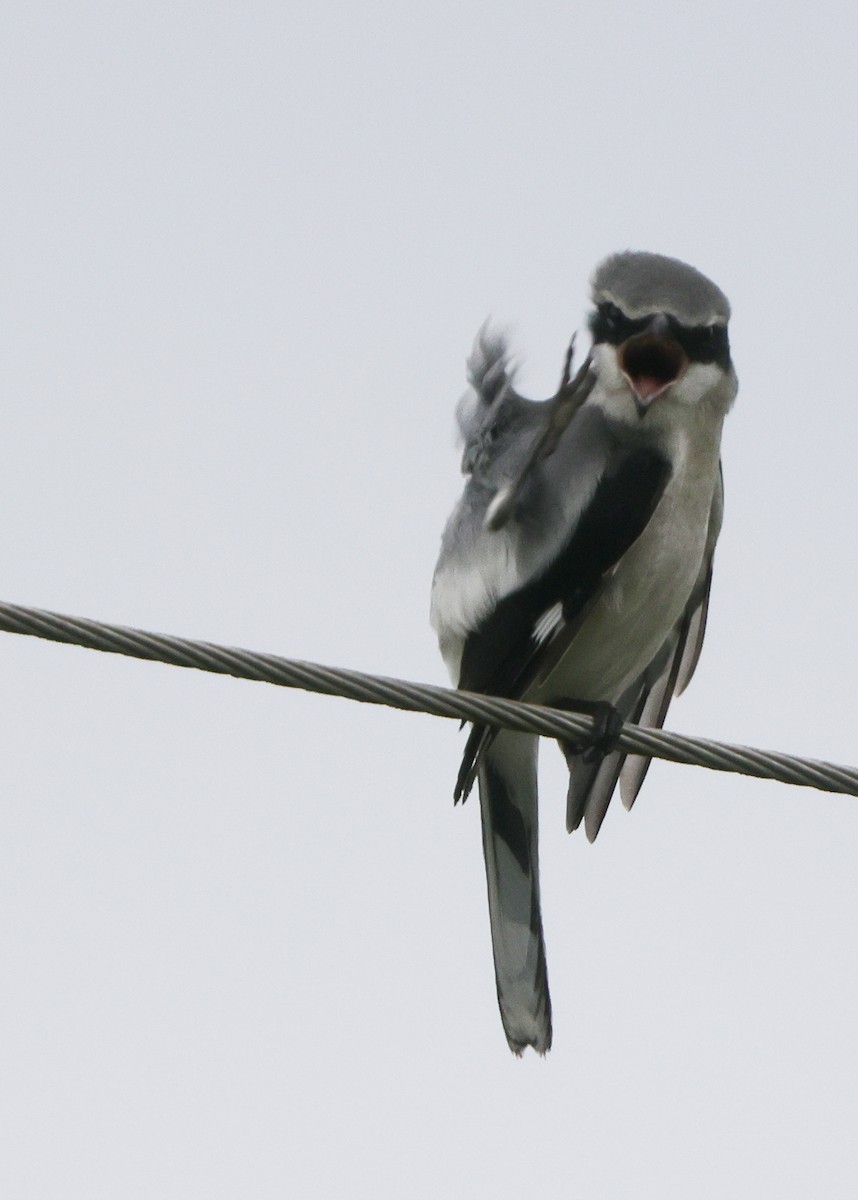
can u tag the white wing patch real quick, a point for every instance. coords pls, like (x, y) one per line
(465, 589)
(548, 623)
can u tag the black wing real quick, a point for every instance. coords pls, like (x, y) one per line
(513, 644)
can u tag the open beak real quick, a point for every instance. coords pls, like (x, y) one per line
(651, 362)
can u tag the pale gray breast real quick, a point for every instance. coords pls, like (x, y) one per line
(646, 593)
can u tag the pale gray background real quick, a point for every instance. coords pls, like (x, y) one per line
(244, 944)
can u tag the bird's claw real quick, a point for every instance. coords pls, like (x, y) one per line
(607, 727)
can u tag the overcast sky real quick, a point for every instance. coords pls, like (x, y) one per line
(243, 931)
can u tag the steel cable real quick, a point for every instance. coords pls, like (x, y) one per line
(420, 697)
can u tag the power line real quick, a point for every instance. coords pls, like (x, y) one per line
(420, 697)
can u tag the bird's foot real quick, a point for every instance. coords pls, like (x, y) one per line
(607, 727)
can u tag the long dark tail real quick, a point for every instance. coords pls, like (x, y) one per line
(508, 803)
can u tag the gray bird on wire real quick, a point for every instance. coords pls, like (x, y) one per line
(575, 570)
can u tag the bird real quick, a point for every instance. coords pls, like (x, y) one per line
(575, 570)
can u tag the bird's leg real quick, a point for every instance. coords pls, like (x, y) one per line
(607, 727)
(561, 408)
(566, 377)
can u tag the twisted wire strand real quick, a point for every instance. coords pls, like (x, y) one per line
(420, 697)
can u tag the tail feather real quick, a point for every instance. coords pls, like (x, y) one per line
(600, 795)
(508, 804)
(593, 778)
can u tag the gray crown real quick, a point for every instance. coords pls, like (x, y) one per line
(640, 283)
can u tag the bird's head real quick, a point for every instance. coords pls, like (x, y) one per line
(659, 337)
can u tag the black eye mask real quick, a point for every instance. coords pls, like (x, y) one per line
(702, 343)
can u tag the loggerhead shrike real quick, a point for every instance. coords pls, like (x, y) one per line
(575, 569)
